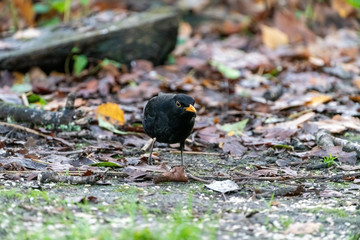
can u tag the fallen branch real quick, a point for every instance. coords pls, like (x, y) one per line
(46, 177)
(22, 113)
(198, 179)
(325, 139)
(196, 153)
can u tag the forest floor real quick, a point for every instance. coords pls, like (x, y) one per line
(275, 149)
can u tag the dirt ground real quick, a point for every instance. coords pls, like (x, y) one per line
(258, 210)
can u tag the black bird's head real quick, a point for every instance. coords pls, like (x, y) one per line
(184, 105)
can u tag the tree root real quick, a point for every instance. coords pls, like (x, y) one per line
(325, 140)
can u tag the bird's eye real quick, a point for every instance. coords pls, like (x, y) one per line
(178, 104)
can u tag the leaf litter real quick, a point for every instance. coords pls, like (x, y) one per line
(263, 104)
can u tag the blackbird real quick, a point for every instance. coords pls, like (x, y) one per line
(169, 118)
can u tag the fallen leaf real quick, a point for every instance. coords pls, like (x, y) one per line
(112, 112)
(228, 72)
(273, 37)
(303, 228)
(330, 193)
(265, 173)
(234, 128)
(343, 7)
(107, 125)
(177, 174)
(223, 186)
(106, 164)
(233, 146)
(317, 100)
(295, 28)
(209, 134)
(293, 124)
(339, 123)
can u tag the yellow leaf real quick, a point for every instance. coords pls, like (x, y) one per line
(111, 112)
(317, 100)
(343, 8)
(231, 133)
(356, 82)
(18, 77)
(273, 37)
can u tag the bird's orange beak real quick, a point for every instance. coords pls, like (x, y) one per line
(190, 108)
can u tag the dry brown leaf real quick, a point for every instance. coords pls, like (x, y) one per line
(339, 123)
(177, 174)
(303, 228)
(356, 82)
(293, 27)
(355, 98)
(230, 27)
(273, 37)
(317, 100)
(293, 124)
(18, 77)
(112, 112)
(36, 74)
(26, 10)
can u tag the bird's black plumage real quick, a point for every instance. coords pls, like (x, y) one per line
(169, 118)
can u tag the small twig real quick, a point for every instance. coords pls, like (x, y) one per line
(8, 134)
(261, 178)
(197, 178)
(63, 153)
(236, 112)
(223, 194)
(147, 145)
(29, 130)
(71, 173)
(25, 100)
(196, 153)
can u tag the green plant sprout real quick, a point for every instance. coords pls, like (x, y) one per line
(330, 160)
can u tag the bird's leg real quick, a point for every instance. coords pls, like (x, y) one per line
(181, 152)
(151, 149)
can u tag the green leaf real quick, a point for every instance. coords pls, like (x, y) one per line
(105, 124)
(171, 59)
(107, 61)
(40, 8)
(34, 98)
(228, 72)
(21, 88)
(75, 50)
(105, 164)
(236, 128)
(80, 62)
(180, 41)
(354, 3)
(283, 146)
(59, 6)
(50, 22)
(84, 2)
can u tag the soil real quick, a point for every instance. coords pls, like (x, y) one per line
(259, 210)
